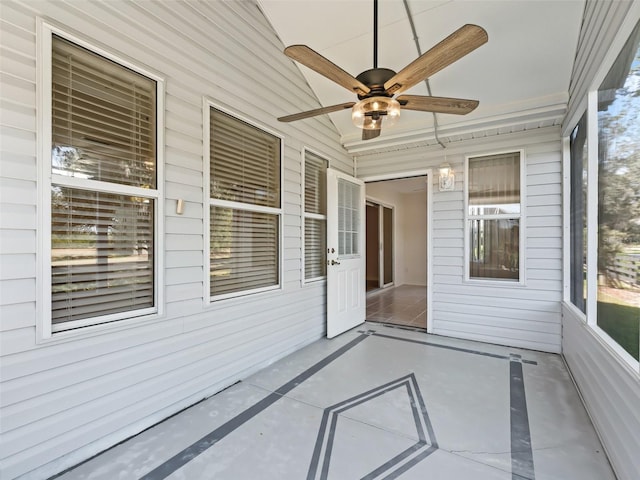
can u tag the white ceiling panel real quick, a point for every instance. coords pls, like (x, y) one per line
(524, 68)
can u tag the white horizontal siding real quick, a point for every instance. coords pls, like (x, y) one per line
(600, 23)
(64, 401)
(525, 316)
(610, 391)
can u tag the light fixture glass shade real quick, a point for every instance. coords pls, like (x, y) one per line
(368, 113)
(445, 170)
(447, 178)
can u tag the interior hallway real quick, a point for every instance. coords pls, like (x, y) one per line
(374, 403)
(404, 305)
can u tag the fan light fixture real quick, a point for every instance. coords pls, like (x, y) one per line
(376, 87)
(368, 113)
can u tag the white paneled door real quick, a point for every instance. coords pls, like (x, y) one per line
(346, 302)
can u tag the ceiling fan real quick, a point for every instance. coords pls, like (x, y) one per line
(376, 87)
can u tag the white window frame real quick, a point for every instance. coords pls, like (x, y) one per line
(521, 217)
(209, 202)
(45, 330)
(305, 215)
(589, 104)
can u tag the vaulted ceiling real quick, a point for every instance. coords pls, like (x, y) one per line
(521, 76)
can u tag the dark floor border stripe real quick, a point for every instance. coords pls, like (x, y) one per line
(450, 347)
(393, 384)
(206, 442)
(411, 463)
(447, 347)
(425, 414)
(332, 412)
(395, 461)
(521, 453)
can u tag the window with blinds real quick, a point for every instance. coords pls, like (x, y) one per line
(244, 207)
(494, 216)
(315, 216)
(103, 189)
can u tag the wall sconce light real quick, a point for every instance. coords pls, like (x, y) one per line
(447, 178)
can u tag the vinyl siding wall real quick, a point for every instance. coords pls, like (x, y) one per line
(600, 23)
(64, 401)
(520, 315)
(610, 389)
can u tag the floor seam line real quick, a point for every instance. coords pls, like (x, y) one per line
(285, 395)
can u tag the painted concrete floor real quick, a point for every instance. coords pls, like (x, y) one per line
(404, 305)
(377, 403)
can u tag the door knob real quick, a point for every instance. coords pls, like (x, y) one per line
(335, 262)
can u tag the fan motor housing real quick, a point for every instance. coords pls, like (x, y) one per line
(375, 80)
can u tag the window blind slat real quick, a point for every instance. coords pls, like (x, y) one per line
(244, 250)
(245, 162)
(103, 118)
(315, 246)
(315, 201)
(244, 168)
(495, 182)
(101, 253)
(494, 188)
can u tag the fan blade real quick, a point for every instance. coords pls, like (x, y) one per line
(317, 111)
(316, 62)
(461, 42)
(369, 134)
(456, 106)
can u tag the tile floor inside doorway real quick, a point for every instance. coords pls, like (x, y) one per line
(404, 305)
(376, 403)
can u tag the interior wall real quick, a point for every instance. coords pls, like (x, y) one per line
(414, 207)
(382, 193)
(373, 242)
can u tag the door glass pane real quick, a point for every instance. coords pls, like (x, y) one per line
(348, 218)
(618, 198)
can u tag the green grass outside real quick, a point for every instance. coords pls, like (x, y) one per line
(622, 323)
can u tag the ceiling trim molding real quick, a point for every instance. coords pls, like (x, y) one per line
(488, 126)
